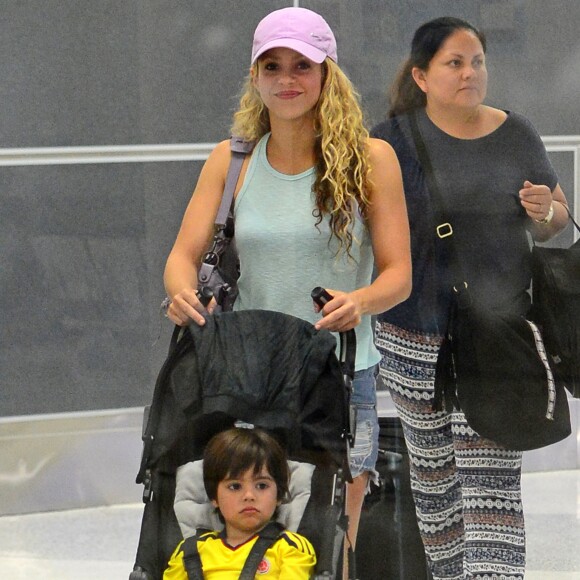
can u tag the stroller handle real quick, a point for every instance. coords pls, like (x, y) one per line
(347, 360)
(347, 339)
(320, 296)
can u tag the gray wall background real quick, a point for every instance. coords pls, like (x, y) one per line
(83, 246)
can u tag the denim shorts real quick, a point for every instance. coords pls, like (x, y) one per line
(363, 456)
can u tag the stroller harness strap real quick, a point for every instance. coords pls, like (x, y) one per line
(191, 557)
(267, 537)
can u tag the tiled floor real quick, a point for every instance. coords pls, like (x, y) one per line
(100, 543)
(552, 510)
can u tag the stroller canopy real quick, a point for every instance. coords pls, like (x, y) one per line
(260, 367)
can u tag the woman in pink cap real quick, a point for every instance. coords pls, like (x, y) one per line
(318, 203)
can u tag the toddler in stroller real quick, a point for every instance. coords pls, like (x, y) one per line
(266, 369)
(246, 478)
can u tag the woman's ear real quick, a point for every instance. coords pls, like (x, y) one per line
(418, 75)
(214, 503)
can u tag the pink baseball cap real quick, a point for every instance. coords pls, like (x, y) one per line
(297, 28)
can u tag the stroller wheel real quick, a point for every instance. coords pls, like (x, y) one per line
(139, 574)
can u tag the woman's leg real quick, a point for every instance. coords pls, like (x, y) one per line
(408, 369)
(490, 478)
(355, 495)
(363, 454)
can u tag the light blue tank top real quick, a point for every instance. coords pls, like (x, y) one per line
(284, 255)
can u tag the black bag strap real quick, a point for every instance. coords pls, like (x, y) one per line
(267, 537)
(571, 217)
(443, 227)
(445, 392)
(239, 149)
(223, 225)
(191, 558)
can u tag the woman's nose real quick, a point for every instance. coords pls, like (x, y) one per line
(468, 71)
(286, 77)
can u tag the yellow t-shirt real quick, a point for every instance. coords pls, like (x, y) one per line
(292, 557)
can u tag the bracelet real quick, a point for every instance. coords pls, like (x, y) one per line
(549, 217)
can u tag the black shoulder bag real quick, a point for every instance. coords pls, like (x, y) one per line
(218, 271)
(493, 365)
(556, 308)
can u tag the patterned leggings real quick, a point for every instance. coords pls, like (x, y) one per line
(466, 488)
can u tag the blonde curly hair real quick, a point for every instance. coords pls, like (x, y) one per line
(342, 168)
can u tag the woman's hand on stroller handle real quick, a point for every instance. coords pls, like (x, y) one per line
(320, 297)
(190, 305)
(340, 310)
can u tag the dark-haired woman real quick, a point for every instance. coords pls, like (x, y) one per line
(498, 184)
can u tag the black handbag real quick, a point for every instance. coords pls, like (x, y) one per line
(493, 365)
(556, 308)
(219, 269)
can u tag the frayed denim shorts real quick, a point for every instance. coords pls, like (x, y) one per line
(363, 456)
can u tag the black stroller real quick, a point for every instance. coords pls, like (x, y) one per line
(261, 368)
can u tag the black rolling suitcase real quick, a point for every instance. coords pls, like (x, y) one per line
(388, 545)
